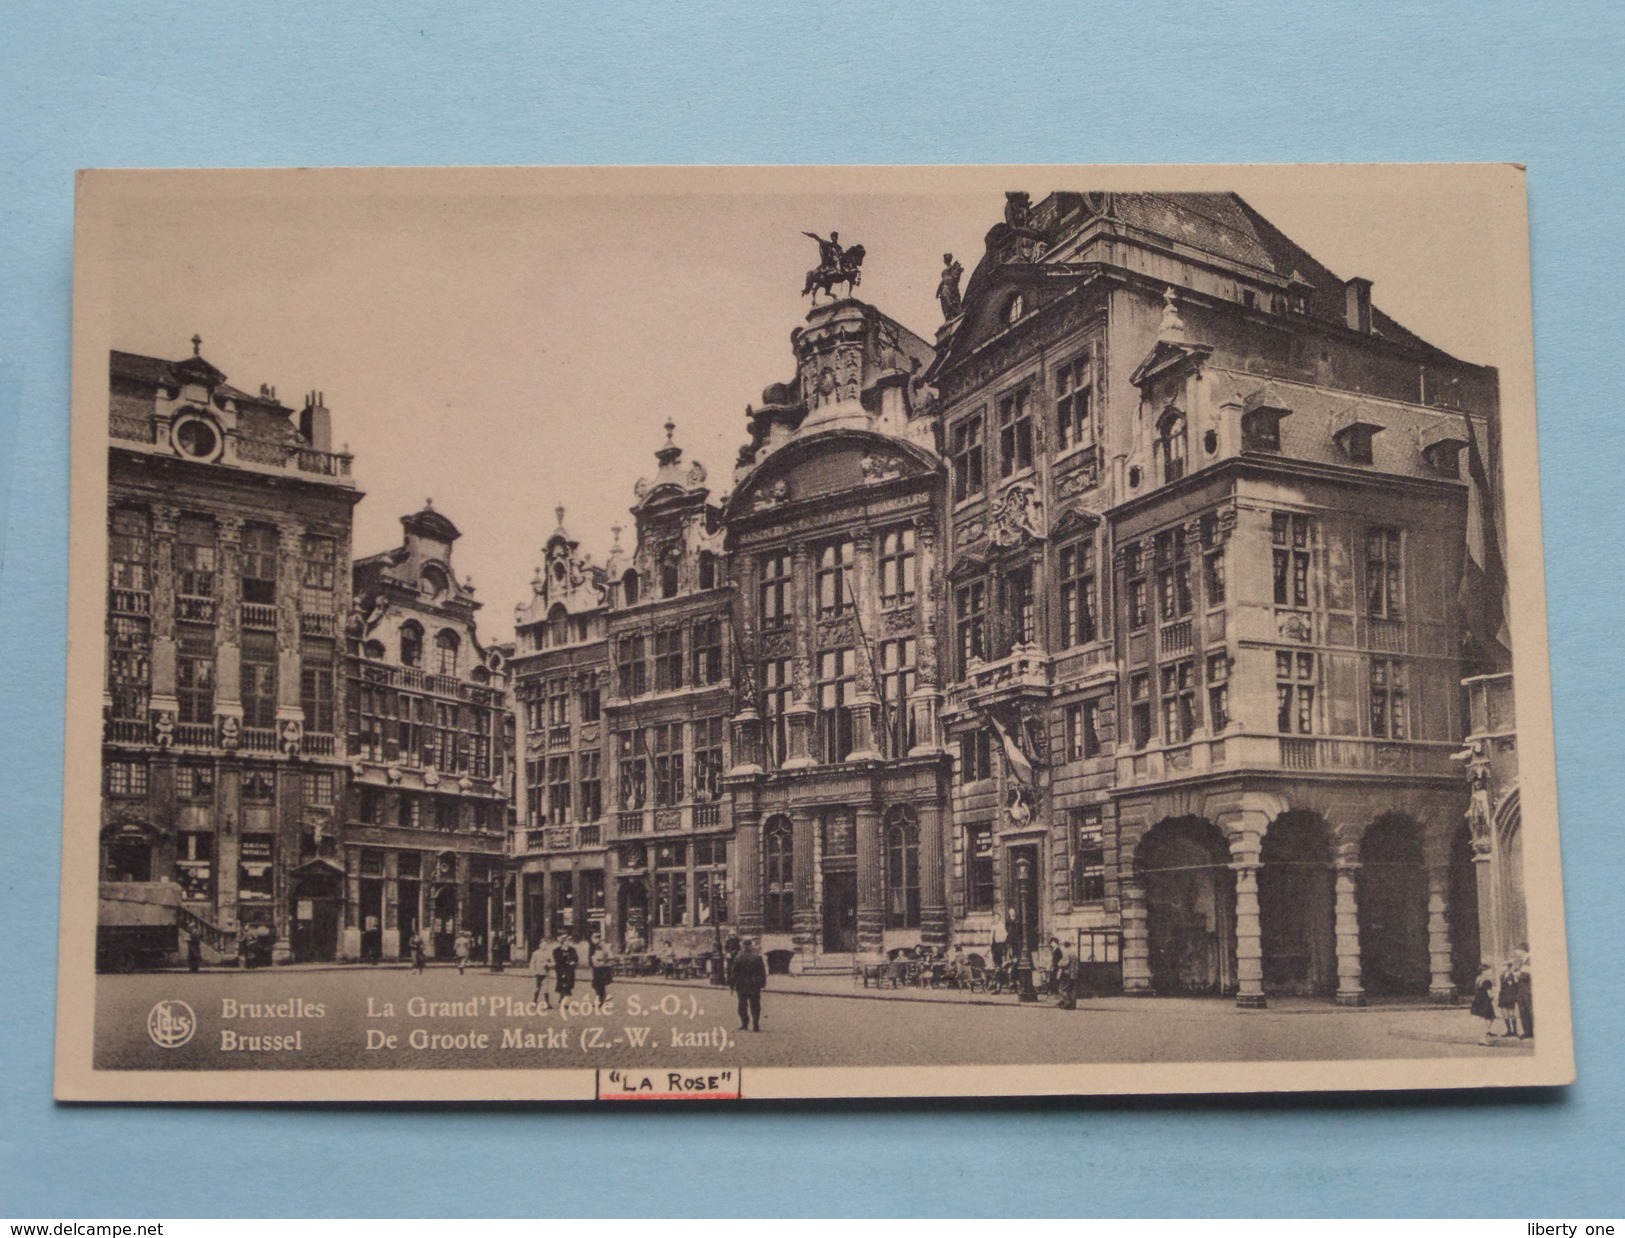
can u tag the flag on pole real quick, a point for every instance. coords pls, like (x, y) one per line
(1483, 592)
(1018, 761)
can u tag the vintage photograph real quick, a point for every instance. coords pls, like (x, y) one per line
(744, 633)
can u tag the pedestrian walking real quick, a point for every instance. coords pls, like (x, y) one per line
(194, 951)
(462, 948)
(1526, 991)
(1055, 965)
(1066, 977)
(541, 960)
(1506, 998)
(602, 964)
(749, 979)
(565, 961)
(1483, 1006)
(416, 944)
(1001, 943)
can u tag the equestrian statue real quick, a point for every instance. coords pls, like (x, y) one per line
(835, 266)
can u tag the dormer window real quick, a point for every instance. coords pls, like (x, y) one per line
(669, 574)
(1014, 308)
(629, 588)
(1444, 457)
(196, 437)
(708, 570)
(1355, 440)
(1261, 429)
(1171, 444)
(411, 645)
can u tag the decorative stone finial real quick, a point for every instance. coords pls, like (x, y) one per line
(197, 345)
(615, 533)
(1172, 326)
(428, 505)
(669, 452)
(558, 513)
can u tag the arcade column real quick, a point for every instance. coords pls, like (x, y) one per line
(1346, 928)
(871, 904)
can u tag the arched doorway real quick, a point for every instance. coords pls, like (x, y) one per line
(1393, 895)
(316, 895)
(1463, 912)
(1509, 843)
(127, 852)
(1297, 910)
(1190, 902)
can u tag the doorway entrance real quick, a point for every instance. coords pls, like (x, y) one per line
(840, 911)
(445, 922)
(371, 912)
(317, 904)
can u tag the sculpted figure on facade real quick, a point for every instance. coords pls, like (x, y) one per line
(1016, 516)
(948, 288)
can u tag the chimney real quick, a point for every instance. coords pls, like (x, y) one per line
(316, 423)
(1357, 311)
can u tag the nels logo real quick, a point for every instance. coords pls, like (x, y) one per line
(171, 1024)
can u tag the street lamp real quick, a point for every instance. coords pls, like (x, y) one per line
(1024, 949)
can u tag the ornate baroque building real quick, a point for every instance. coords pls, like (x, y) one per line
(223, 765)
(427, 712)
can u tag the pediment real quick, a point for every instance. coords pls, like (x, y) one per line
(1170, 357)
(831, 463)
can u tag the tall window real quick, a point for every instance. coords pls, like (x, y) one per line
(413, 713)
(708, 760)
(902, 868)
(1383, 579)
(979, 868)
(316, 575)
(1082, 730)
(670, 563)
(708, 570)
(970, 622)
(711, 881)
(1134, 565)
(451, 744)
(257, 679)
(194, 782)
(629, 587)
(835, 579)
(1015, 432)
(591, 702)
(194, 672)
(671, 884)
(1212, 561)
(897, 566)
(260, 544)
(1078, 594)
(777, 689)
(1171, 445)
(316, 685)
(1388, 699)
(1074, 425)
(965, 452)
(630, 667)
(129, 550)
(1088, 854)
(445, 646)
(837, 680)
(195, 560)
(316, 788)
(1294, 693)
(129, 666)
(975, 756)
(589, 768)
(411, 644)
(558, 790)
(897, 682)
(778, 886)
(668, 758)
(629, 749)
(707, 653)
(668, 659)
(1017, 612)
(1173, 575)
(1218, 692)
(1139, 707)
(1293, 539)
(535, 793)
(558, 702)
(1178, 702)
(775, 590)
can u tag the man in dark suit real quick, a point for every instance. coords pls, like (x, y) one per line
(565, 960)
(748, 980)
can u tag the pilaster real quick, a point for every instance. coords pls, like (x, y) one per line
(871, 895)
(1346, 929)
(1244, 852)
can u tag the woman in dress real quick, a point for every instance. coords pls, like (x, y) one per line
(1484, 1001)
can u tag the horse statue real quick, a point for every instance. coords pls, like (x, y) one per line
(835, 266)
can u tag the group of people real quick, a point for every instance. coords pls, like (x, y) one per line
(1506, 996)
(561, 960)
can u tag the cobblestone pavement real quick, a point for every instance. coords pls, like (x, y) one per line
(351, 1017)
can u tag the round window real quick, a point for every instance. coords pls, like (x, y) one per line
(197, 438)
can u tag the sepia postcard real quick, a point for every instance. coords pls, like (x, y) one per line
(696, 634)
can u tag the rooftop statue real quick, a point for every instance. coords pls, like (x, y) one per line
(835, 266)
(948, 287)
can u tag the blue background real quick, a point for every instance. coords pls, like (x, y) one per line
(103, 84)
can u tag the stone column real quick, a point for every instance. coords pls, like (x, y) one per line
(746, 878)
(228, 600)
(1441, 984)
(927, 699)
(799, 717)
(290, 714)
(866, 601)
(1244, 852)
(1136, 942)
(803, 862)
(1350, 990)
(871, 880)
(1489, 906)
(933, 876)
